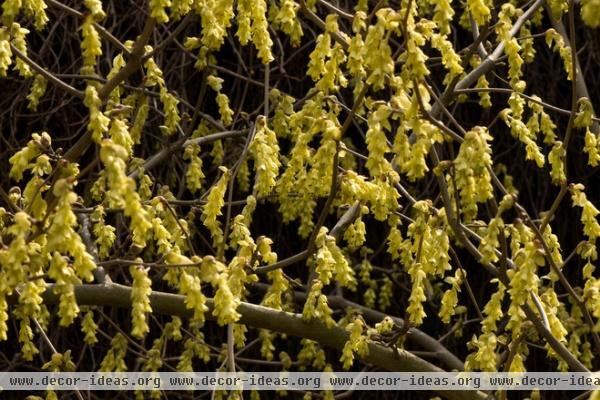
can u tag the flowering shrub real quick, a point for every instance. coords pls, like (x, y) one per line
(299, 185)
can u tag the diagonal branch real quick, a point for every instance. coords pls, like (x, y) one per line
(103, 31)
(134, 62)
(46, 74)
(345, 220)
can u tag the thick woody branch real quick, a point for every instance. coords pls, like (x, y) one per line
(414, 335)
(381, 356)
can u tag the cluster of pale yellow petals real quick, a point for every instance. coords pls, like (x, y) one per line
(122, 189)
(424, 254)
(316, 307)
(61, 233)
(377, 143)
(322, 51)
(414, 57)
(140, 300)
(555, 41)
(265, 153)
(244, 21)
(157, 10)
(355, 234)
(248, 255)
(355, 60)
(485, 358)
(285, 20)
(89, 327)
(480, 10)
(211, 271)
(104, 233)
(190, 287)
(279, 283)
(193, 175)
(552, 306)
(162, 237)
(591, 295)
(584, 120)
(326, 60)
(417, 294)
(330, 262)
(154, 77)
(30, 8)
(357, 343)
(252, 24)
(141, 115)
(591, 227)
(23, 258)
(260, 31)
(60, 362)
(65, 278)
(5, 51)
(14, 261)
(226, 301)
(98, 122)
(411, 158)
(369, 295)
(19, 34)
(310, 354)
(450, 58)
(284, 108)
(212, 209)
(590, 12)
(114, 360)
(450, 297)
(471, 171)
(485, 99)
(377, 53)
(226, 113)
(298, 186)
(443, 13)
(91, 47)
(37, 90)
(322, 168)
(520, 130)
(193, 347)
(489, 239)
(28, 158)
(523, 279)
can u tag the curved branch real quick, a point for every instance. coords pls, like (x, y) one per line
(489, 63)
(115, 295)
(156, 159)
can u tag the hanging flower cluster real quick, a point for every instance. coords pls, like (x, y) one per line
(265, 152)
(471, 171)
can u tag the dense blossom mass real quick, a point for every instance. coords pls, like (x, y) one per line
(300, 185)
